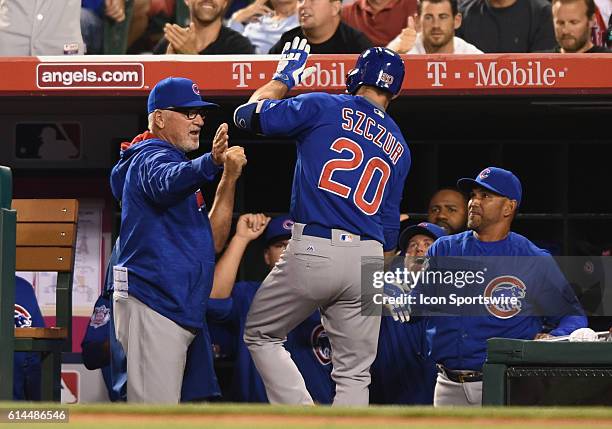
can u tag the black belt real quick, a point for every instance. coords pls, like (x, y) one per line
(460, 376)
(316, 230)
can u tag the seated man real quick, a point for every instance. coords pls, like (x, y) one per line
(206, 35)
(307, 343)
(26, 373)
(379, 20)
(264, 26)
(320, 23)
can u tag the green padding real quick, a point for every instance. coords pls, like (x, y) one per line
(523, 352)
(6, 187)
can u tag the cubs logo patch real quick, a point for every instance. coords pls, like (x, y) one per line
(23, 318)
(505, 287)
(321, 347)
(100, 316)
(195, 88)
(484, 173)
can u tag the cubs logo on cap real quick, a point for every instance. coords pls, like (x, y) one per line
(279, 228)
(176, 92)
(494, 179)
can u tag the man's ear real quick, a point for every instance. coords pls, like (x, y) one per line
(337, 7)
(510, 207)
(458, 19)
(158, 119)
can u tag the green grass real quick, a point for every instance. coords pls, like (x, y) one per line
(233, 416)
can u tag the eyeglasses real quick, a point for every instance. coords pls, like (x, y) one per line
(189, 113)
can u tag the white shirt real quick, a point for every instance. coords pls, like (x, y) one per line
(460, 46)
(265, 31)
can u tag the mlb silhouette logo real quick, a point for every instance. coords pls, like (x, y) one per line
(49, 141)
(71, 388)
(346, 238)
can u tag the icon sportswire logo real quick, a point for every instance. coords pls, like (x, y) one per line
(89, 75)
(495, 75)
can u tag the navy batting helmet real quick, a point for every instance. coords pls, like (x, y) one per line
(380, 67)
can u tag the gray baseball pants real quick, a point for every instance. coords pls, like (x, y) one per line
(450, 393)
(316, 273)
(156, 351)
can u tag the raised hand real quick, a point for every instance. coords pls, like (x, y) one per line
(291, 67)
(400, 312)
(181, 40)
(115, 10)
(235, 160)
(251, 12)
(220, 144)
(250, 226)
(406, 39)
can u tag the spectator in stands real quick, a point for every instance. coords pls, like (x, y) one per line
(321, 25)
(264, 26)
(438, 21)
(307, 343)
(448, 209)
(206, 35)
(507, 25)
(92, 21)
(573, 21)
(41, 27)
(379, 20)
(27, 370)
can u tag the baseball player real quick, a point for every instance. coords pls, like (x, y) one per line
(403, 372)
(307, 343)
(26, 366)
(351, 167)
(163, 276)
(458, 343)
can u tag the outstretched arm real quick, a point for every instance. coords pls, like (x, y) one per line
(248, 228)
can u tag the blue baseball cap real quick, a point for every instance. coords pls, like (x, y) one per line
(176, 92)
(495, 179)
(429, 229)
(279, 228)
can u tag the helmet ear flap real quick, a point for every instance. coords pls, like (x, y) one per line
(352, 81)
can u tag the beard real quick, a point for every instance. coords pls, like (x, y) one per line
(573, 44)
(440, 40)
(205, 16)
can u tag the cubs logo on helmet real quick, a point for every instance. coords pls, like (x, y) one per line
(321, 347)
(23, 318)
(379, 67)
(505, 287)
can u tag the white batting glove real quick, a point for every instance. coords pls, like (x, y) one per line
(400, 312)
(290, 69)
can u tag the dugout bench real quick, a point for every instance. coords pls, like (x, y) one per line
(523, 372)
(37, 235)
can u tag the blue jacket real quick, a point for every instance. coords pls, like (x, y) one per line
(26, 373)
(166, 240)
(460, 341)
